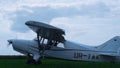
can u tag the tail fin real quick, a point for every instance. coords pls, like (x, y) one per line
(112, 45)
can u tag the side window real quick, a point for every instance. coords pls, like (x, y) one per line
(45, 41)
(60, 45)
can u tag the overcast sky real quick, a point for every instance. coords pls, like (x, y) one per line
(90, 22)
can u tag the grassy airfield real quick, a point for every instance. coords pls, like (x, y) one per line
(54, 63)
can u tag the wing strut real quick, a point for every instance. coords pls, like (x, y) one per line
(40, 43)
(39, 39)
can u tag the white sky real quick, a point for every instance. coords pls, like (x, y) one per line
(90, 22)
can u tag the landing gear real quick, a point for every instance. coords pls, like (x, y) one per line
(32, 61)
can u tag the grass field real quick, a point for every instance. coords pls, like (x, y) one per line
(55, 63)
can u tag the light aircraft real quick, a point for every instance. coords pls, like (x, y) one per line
(50, 38)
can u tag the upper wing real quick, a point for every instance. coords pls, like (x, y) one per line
(46, 31)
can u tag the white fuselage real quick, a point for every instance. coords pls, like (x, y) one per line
(70, 51)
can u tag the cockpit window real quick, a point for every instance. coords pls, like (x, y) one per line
(46, 42)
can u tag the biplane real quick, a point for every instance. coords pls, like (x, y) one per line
(50, 42)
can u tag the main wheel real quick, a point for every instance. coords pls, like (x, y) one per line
(32, 61)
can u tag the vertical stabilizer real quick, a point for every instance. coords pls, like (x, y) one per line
(112, 45)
